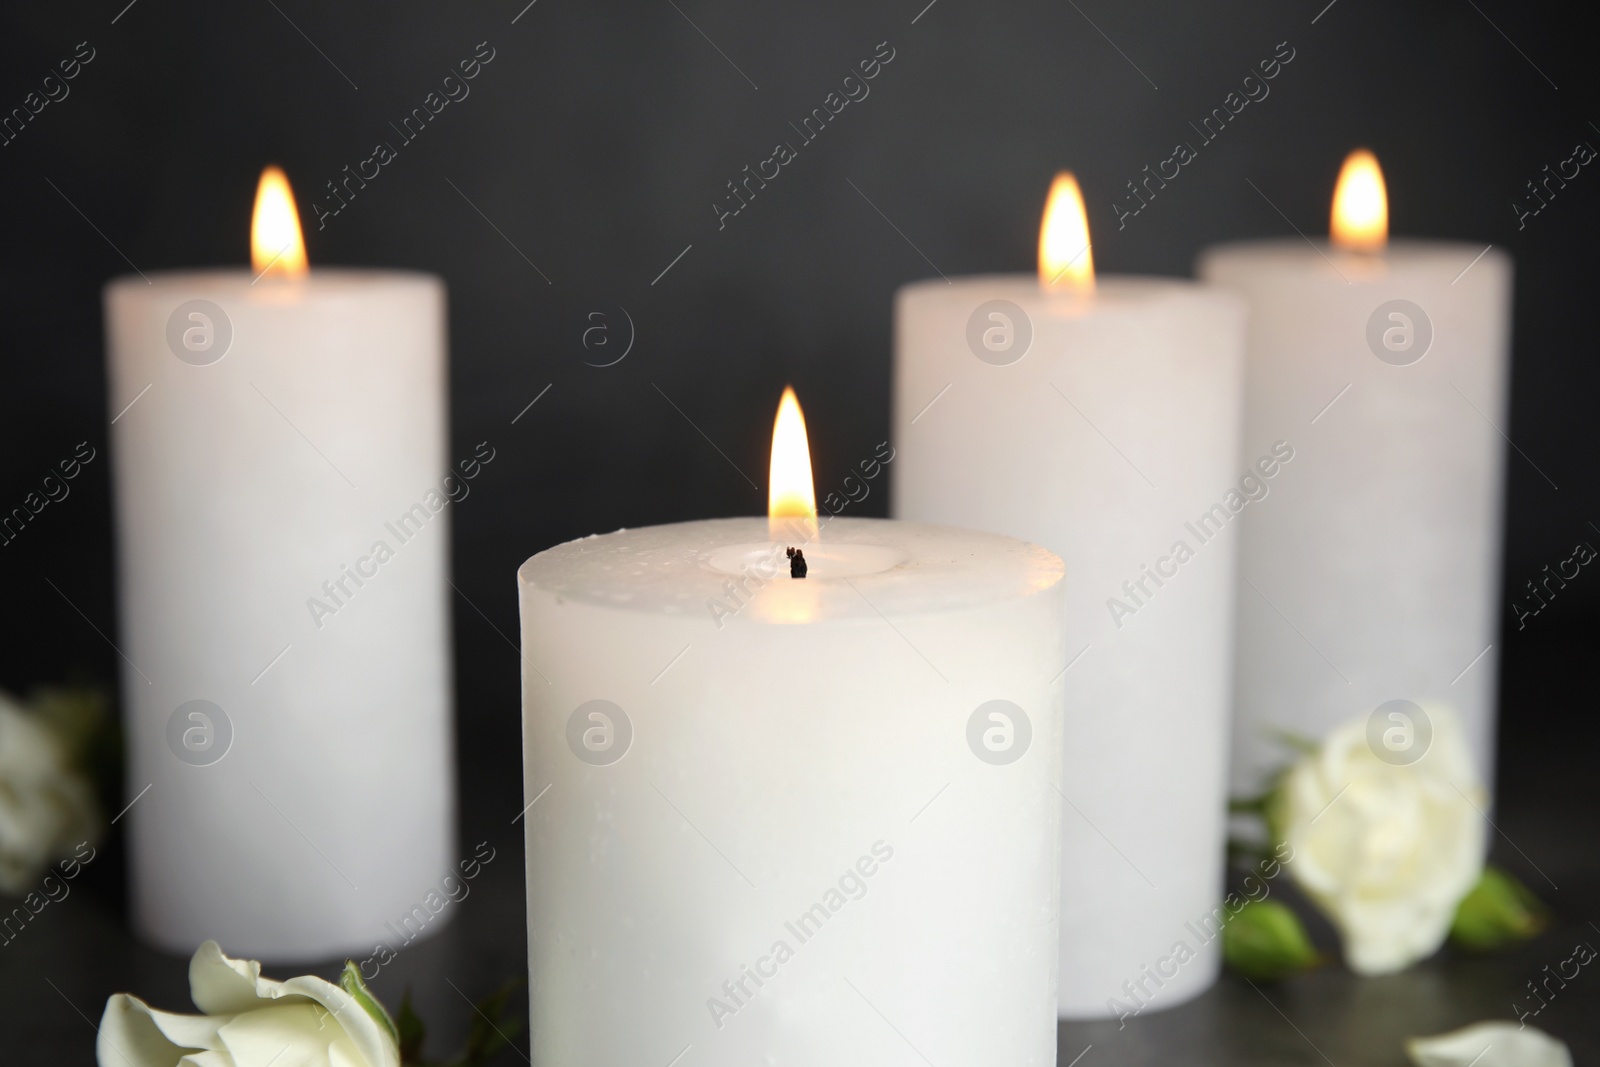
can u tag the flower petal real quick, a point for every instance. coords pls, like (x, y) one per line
(222, 985)
(208, 1058)
(1496, 1044)
(374, 1043)
(133, 1034)
(285, 1035)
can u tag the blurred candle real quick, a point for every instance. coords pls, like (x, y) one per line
(1372, 573)
(780, 819)
(1100, 419)
(278, 445)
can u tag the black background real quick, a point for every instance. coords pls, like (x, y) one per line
(596, 142)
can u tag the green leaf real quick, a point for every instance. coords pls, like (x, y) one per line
(1256, 805)
(1265, 941)
(1246, 854)
(492, 1028)
(1497, 912)
(411, 1030)
(1276, 810)
(350, 981)
(1268, 805)
(74, 713)
(1300, 743)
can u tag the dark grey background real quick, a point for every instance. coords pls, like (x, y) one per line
(597, 141)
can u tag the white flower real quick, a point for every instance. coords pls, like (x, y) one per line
(46, 807)
(1498, 1044)
(250, 1021)
(1386, 850)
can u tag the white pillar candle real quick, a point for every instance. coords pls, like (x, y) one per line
(759, 824)
(1102, 425)
(290, 767)
(1372, 573)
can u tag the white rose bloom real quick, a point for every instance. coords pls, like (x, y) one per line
(1497, 1044)
(46, 807)
(1386, 851)
(248, 1021)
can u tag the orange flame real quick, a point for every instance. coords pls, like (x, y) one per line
(790, 492)
(1065, 261)
(1360, 205)
(276, 246)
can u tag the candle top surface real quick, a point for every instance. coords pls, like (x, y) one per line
(235, 281)
(858, 569)
(1111, 292)
(1293, 253)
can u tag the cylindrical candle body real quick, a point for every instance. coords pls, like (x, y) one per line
(1372, 574)
(1105, 429)
(759, 821)
(287, 680)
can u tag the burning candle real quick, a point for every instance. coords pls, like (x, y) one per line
(1101, 421)
(775, 818)
(1371, 576)
(278, 450)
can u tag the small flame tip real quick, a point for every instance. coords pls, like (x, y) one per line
(1359, 220)
(790, 489)
(276, 244)
(1066, 259)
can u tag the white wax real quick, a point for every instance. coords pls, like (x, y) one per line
(1116, 427)
(821, 729)
(241, 486)
(1375, 565)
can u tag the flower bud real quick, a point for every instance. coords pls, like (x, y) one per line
(1498, 911)
(1265, 941)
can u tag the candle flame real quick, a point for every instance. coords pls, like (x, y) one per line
(1360, 205)
(276, 246)
(790, 493)
(1065, 261)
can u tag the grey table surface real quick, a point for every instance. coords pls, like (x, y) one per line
(55, 977)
